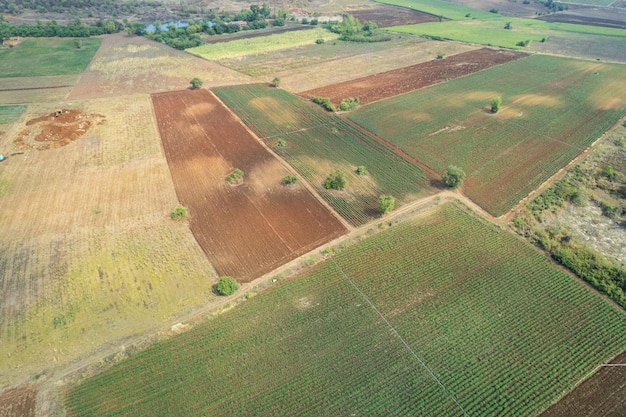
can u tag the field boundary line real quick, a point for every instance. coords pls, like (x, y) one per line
(393, 329)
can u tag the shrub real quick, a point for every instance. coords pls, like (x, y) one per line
(226, 286)
(494, 10)
(195, 83)
(440, 56)
(336, 181)
(235, 177)
(386, 203)
(453, 177)
(496, 102)
(281, 143)
(508, 26)
(523, 43)
(609, 172)
(319, 41)
(275, 82)
(290, 179)
(324, 102)
(349, 103)
(178, 213)
(361, 170)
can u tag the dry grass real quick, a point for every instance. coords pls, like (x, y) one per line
(88, 254)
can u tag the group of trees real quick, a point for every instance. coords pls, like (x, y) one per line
(351, 29)
(74, 29)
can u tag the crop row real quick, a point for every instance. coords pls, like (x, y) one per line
(506, 338)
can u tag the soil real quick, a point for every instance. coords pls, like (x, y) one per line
(604, 394)
(594, 16)
(254, 227)
(505, 7)
(391, 83)
(56, 129)
(18, 402)
(387, 16)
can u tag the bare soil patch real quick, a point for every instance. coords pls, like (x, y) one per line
(402, 80)
(386, 16)
(56, 129)
(611, 17)
(604, 394)
(18, 402)
(245, 230)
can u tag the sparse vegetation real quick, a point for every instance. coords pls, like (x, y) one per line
(226, 286)
(453, 177)
(335, 181)
(235, 177)
(179, 213)
(290, 180)
(281, 143)
(361, 170)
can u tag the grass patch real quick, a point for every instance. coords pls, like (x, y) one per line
(47, 56)
(502, 329)
(10, 114)
(251, 46)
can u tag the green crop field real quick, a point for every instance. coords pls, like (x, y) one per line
(263, 44)
(553, 108)
(10, 114)
(47, 56)
(318, 143)
(443, 315)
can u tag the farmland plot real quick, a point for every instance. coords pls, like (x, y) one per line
(443, 315)
(245, 229)
(552, 110)
(88, 254)
(317, 143)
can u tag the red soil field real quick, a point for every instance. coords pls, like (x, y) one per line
(391, 83)
(18, 402)
(247, 229)
(387, 16)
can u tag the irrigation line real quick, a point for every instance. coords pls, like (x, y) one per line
(393, 329)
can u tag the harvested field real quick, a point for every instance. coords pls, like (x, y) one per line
(605, 48)
(603, 394)
(614, 18)
(18, 402)
(245, 229)
(134, 64)
(385, 16)
(402, 80)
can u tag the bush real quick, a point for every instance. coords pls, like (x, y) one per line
(609, 172)
(440, 56)
(336, 181)
(226, 286)
(523, 43)
(496, 102)
(319, 41)
(324, 102)
(178, 213)
(235, 177)
(494, 10)
(349, 103)
(453, 177)
(281, 143)
(386, 203)
(361, 170)
(275, 82)
(195, 83)
(290, 179)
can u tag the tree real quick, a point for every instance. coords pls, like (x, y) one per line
(235, 177)
(290, 179)
(453, 177)
(226, 286)
(508, 26)
(496, 102)
(178, 213)
(195, 83)
(361, 170)
(276, 82)
(386, 203)
(336, 181)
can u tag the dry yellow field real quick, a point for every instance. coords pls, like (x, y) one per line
(87, 248)
(22, 90)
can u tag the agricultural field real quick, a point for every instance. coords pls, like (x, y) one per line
(442, 315)
(10, 114)
(385, 15)
(88, 253)
(554, 110)
(597, 16)
(395, 82)
(317, 143)
(269, 43)
(245, 229)
(126, 65)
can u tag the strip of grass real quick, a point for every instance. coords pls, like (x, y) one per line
(243, 47)
(47, 56)
(10, 114)
(497, 325)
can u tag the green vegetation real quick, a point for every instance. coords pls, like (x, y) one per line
(243, 47)
(235, 177)
(10, 114)
(350, 103)
(324, 102)
(350, 29)
(502, 330)
(276, 82)
(195, 83)
(320, 142)
(226, 286)
(336, 181)
(361, 170)
(47, 56)
(178, 38)
(453, 177)
(179, 213)
(281, 143)
(290, 180)
(496, 102)
(386, 203)
(556, 107)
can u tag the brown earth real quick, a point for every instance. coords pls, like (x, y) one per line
(391, 83)
(56, 129)
(386, 16)
(18, 402)
(248, 229)
(604, 394)
(615, 20)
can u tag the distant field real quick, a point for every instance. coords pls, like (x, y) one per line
(440, 316)
(47, 56)
(591, 2)
(553, 108)
(318, 143)
(243, 47)
(10, 114)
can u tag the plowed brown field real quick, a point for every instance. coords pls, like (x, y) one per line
(391, 83)
(385, 16)
(247, 229)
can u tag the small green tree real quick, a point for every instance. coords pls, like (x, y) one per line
(226, 286)
(609, 172)
(195, 83)
(453, 177)
(508, 26)
(361, 170)
(276, 82)
(386, 203)
(336, 181)
(290, 179)
(178, 213)
(496, 102)
(349, 103)
(235, 177)
(281, 143)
